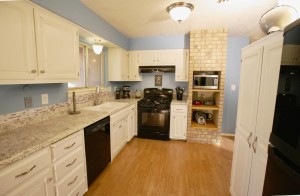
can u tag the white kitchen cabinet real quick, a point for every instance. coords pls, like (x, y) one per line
(36, 45)
(118, 60)
(178, 122)
(29, 176)
(134, 74)
(69, 164)
(132, 122)
(57, 47)
(157, 57)
(17, 38)
(182, 66)
(258, 89)
(118, 131)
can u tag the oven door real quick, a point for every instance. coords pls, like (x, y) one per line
(153, 123)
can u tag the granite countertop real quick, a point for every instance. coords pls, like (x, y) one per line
(179, 102)
(18, 143)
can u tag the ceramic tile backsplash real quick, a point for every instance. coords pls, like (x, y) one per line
(22, 118)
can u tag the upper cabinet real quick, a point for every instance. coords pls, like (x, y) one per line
(182, 66)
(118, 60)
(134, 74)
(36, 46)
(157, 57)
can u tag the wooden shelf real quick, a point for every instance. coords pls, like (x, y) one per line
(209, 125)
(206, 90)
(205, 107)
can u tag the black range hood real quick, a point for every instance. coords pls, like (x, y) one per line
(151, 69)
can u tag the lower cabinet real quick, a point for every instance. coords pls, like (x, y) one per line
(69, 168)
(178, 124)
(29, 176)
(118, 131)
(132, 122)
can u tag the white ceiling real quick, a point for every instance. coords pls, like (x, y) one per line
(144, 18)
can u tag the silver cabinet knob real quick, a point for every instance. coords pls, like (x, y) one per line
(42, 71)
(33, 71)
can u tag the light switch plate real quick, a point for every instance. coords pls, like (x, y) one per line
(44, 99)
(233, 87)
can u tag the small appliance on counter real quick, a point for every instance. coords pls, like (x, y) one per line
(117, 94)
(126, 92)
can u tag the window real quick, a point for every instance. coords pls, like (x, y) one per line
(91, 70)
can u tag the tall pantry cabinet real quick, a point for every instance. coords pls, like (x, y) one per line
(257, 96)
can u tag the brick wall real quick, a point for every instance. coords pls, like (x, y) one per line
(207, 53)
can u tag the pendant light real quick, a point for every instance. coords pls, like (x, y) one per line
(97, 48)
(180, 11)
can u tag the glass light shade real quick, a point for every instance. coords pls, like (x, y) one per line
(180, 13)
(97, 48)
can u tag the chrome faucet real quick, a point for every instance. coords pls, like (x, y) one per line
(97, 101)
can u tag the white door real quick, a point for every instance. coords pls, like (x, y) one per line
(265, 114)
(166, 57)
(148, 57)
(246, 119)
(57, 47)
(17, 42)
(114, 140)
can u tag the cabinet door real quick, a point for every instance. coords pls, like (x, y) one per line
(123, 130)
(178, 126)
(124, 65)
(167, 57)
(182, 66)
(57, 47)
(114, 138)
(241, 164)
(265, 113)
(17, 38)
(134, 74)
(246, 119)
(148, 57)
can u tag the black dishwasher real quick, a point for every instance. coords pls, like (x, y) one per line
(97, 148)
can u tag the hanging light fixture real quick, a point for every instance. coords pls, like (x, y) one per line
(97, 48)
(180, 11)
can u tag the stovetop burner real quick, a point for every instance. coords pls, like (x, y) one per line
(156, 99)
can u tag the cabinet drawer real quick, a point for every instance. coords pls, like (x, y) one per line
(70, 182)
(68, 163)
(65, 146)
(80, 190)
(179, 109)
(20, 171)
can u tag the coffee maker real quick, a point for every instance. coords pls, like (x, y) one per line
(126, 92)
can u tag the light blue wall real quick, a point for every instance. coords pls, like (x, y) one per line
(12, 96)
(148, 82)
(160, 42)
(78, 13)
(234, 46)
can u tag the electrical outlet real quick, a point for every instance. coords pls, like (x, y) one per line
(44, 99)
(232, 87)
(28, 102)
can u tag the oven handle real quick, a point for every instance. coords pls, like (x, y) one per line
(154, 110)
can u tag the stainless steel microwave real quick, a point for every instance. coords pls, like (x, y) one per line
(206, 81)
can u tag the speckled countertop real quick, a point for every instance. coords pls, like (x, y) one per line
(179, 102)
(18, 143)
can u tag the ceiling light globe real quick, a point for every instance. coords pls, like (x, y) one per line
(180, 13)
(97, 48)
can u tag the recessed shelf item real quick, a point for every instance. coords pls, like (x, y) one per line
(209, 125)
(205, 107)
(207, 90)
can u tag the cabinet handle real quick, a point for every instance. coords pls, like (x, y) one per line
(49, 180)
(24, 173)
(249, 139)
(254, 144)
(33, 71)
(68, 165)
(70, 146)
(70, 183)
(42, 71)
(120, 126)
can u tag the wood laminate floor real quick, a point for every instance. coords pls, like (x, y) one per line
(153, 167)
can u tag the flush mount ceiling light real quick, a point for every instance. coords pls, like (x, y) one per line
(180, 11)
(220, 1)
(97, 47)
